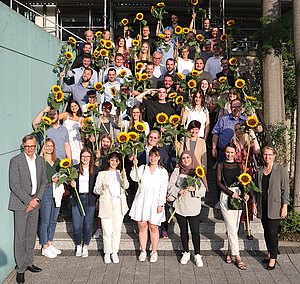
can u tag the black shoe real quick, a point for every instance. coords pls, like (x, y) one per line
(20, 277)
(271, 267)
(60, 218)
(34, 268)
(250, 237)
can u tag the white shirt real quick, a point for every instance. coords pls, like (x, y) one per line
(84, 181)
(118, 69)
(159, 70)
(32, 169)
(213, 66)
(185, 67)
(114, 183)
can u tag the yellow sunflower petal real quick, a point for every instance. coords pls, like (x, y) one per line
(200, 172)
(65, 163)
(162, 118)
(140, 127)
(123, 137)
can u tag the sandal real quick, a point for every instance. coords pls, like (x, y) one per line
(240, 264)
(228, 258)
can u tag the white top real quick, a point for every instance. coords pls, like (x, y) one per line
(200, 116)
(159, 70)
(32, 169)
(114, 183)
(213, 66)
(151, 194)
(84, 181)
(185, 67)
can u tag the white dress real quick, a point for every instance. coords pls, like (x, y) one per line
(152, 193)
(73, 128)
(200, 116)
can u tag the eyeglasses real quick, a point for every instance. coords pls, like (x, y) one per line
(29, 146)
(153, 137)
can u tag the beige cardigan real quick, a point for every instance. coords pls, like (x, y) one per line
(105, 200)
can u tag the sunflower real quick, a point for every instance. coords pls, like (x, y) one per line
(195, 72)
(162, 118)
(186, 30)
(160, 5)
(200, 37)
(47, 120)
(162, 36)
(133, 136)
(172, 95)
(139, 66)
(138, 76)
(180, 76)
(123, 73)
(179, 100)
(65, 163)
(139, 16)
(174, 119)
(113, 91)
(222, 79)
(69, 55)
(250, 98)
(178, 30)
(102, 41)
(233, 61)
(59, 97)
(140, 127)
(72, 40)
(138, 37)
(123, 137)
(96, 53)
(230, 23)
(152, 9)
(245, 178)
(194, 2)
(124, 22)
(240, 83)
(192, 83)
(135, 42)
(55, 89)
(223, 37)
(252, 121)
(90, 107)
(144, 76)
(99, 33)
(199, 171)
(87, 120)
(108, 44)
(104, 52)
(98, 86)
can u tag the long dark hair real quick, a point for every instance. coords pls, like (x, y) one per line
(78, 113)
(155, 151)
(114, 155)
(91, 163)
(202, 99)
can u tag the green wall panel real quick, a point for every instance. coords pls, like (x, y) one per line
(27, 55)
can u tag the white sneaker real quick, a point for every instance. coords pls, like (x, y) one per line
(198, 260)
(78, 250)
(85, 252)
(107, 258)
(142, 256)
(185, 257)
(153, 256)
(55, 250)
(115, 258)
(48, 253)
(97, 234)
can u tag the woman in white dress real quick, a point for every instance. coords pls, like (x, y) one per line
(148, 205)
(198, 112)
(72, 120)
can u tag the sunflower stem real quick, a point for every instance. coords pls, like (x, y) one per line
(44, 142)
(79, 201)
(247, 218)
(248, 153)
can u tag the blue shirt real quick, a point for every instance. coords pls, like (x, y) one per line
(225, 128)
(78, 92)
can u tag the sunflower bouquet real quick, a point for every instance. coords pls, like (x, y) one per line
(103, 52)
(43, 126)
(158, 11)
(89, 129)
(56, 99)
(191, 183)
(197, 42)
(66, 56)
(194, 3)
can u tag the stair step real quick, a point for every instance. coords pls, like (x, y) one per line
(130, 241)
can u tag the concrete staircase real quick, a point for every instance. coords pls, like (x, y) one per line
(212, 235)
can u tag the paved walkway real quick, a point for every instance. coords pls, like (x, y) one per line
(70, 269)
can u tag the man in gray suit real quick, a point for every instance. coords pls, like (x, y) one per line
(27, 181)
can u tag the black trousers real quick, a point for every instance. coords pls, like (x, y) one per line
(271, 235)
(194, 222)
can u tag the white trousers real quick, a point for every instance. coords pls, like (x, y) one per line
(111, 228)
(232, 223)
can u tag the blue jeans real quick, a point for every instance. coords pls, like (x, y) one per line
(48, 215)
(83, 226)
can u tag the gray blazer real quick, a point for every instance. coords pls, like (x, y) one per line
(20, 182)
(278, 192)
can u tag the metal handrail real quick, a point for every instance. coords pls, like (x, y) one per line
(45, 18)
